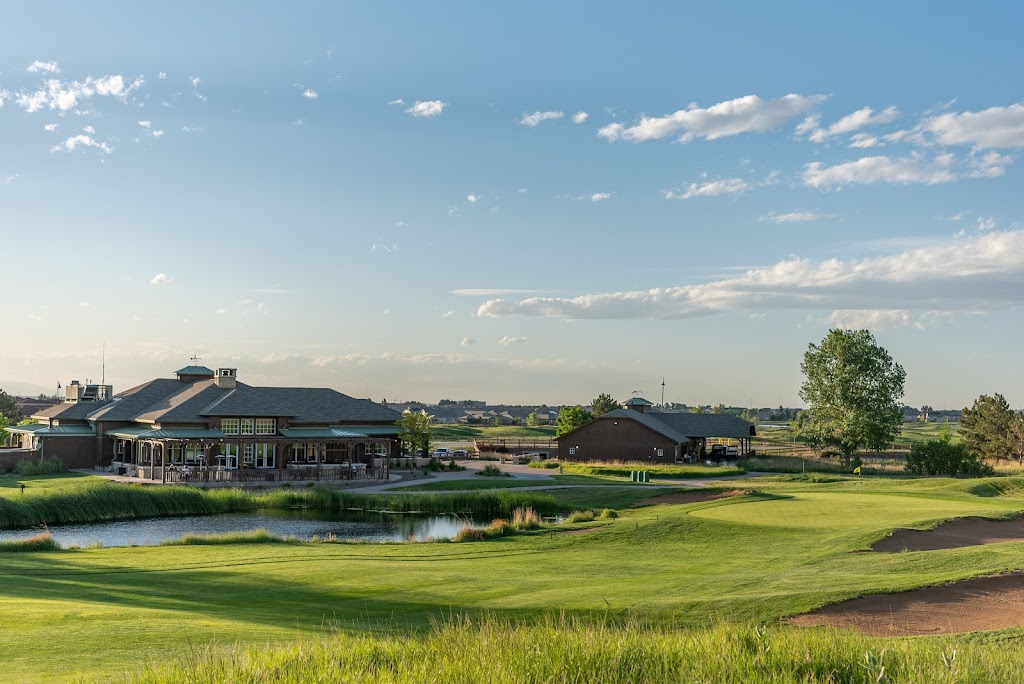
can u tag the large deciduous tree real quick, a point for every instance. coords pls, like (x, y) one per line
(602, 404)
(9, 408)
(415, 432)
(853, 390)
(987, 427)
(570, 418)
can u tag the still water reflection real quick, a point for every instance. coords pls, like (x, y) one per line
(299, 524)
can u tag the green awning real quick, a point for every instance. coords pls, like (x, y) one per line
(41, 430)
(371, 430)
(146, 432)
(322, 433)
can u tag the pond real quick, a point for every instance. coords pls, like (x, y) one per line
(300, 524)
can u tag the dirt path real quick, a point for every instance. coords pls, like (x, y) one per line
(980, 604)
(954, 534)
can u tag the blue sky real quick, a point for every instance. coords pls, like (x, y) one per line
(516, 202)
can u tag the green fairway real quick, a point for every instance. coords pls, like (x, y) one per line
(481, 482)
(756, 558)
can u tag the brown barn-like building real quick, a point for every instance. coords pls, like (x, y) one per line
(635, 433)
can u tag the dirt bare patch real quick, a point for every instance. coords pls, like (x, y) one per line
(954, 534)
(985, 603)
(689, 497)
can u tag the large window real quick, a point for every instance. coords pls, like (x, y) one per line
(303, 452)
(258, 455)
(229, 426)
(266, 426)
(175, 453)
(227, 456)
(247, 426)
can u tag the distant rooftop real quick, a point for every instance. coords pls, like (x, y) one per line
(194, 372)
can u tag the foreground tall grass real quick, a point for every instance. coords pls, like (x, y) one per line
(565, 650)
(94, 501)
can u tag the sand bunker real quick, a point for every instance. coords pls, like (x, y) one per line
(968, 606)
(689, 497)
(954, 534)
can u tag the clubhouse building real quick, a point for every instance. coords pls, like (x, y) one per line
(205, 425)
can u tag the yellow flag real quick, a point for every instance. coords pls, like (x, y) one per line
(856, 470)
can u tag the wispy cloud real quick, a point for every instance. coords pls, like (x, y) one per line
(796, 217)
(881, 169)
(600, 196)
(63, 96)
(448, 314)
(40, 66)
(81, 141)
(467, 342)
(992, 127)
(310, 94)
(978, 273)
(580, 117)
(535, 118)
(507, 341)
(472, 198)
(398, 101)
(848, 124)
(723, 186)
(160, 279)
(427, 109)
(749, 114)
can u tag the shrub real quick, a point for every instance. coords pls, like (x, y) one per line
(609, 514)
(469, 534)
(942, 457)
(41, 542)
(491, 471)
(434, 465)
(43, 466)
(580, 516)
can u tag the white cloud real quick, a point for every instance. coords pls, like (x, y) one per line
(724, 186)
(157, 134)
(796, 216)
(427, 109)
(467, 342)
(880, 319)
(881, 169)
(51, 127)
(472, 198)
(160, 279)
(978, 273)
(146, 124)
(195, 81)
(579, 117)
(988, 164)
(89, 129)
(535, 118)
(506, 341)
(386, 247)
(68, 95)
(448, 314)
(40, 66)
(848, 124)
(992, 127)
(162, 75)
(985, 224)
(748, 114)
(73, 143)
(310, 94)
(399, 101)
(600, 196)
(862, 140)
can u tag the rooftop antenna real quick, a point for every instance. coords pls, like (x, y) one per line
(663, 391)
(195, 359)
(103, 366)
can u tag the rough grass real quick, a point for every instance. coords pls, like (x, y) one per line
(43, 541)
(569, 650)
(624, 468)
(682, 572)
(257, 536)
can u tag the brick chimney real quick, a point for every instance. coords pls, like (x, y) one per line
(225, 378)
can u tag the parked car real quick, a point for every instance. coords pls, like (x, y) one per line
(717, 452)
(460, 453)
(442, 452)
(732, 452)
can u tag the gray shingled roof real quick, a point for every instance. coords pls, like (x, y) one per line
(184, 406)
(707, 424)
(248, 401)
(322, 405)
(130, 403)
(71, 410)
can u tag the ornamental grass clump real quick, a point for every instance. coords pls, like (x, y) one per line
(580, 516)
(526, 519)
(43, 541)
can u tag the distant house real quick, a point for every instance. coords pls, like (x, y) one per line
(31, 405)
(215, 426)
(634, 433)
